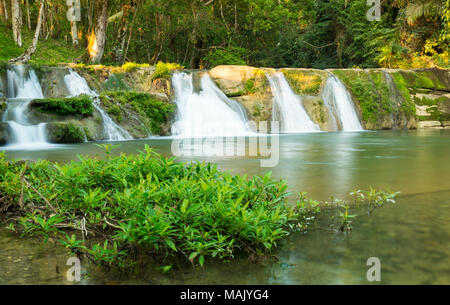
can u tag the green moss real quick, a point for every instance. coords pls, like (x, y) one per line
(66, 132)
(143, 103)
(408, 105)
(81, 105)
(303, 83)
(249, 87)
(321, 113)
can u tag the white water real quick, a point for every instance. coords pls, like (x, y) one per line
(206, 113)
(288, 108)
(337, 98)
(23, 87)
(77, 85)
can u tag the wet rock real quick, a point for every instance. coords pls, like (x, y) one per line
(52, 81)
(4, 133)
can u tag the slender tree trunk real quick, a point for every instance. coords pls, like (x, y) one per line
(25, 57)
(16, 17)
(100, 32)
(5, 7)
(74, 33)
(119, 48)
(27, 7)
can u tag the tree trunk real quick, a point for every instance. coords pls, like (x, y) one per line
(74, 33)
(16, 17)
(2, 10)
(27, 7)
(100, 32)
(4, 4)
(25, 57)
(119, 48)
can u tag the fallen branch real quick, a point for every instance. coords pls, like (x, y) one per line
(39, 194)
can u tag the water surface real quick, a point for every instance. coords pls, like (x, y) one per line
(411, 238)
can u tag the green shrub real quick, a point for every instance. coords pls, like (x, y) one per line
(80, 105)
(163, 70)
(132, 66)
(147, 204)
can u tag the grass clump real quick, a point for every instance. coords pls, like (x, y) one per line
(143, 103)
(80, 105)
(118, 208)
(132, 66)
(163, 70)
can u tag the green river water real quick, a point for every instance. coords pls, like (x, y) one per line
(411, 238)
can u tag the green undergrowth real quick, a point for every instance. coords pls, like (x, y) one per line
(80, 105)
(143, 103)
(49, 51)
(113, 210)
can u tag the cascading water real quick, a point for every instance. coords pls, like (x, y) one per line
(288, 108)
(23, 86)
(206, 113)
(77, 85)
(337, 99)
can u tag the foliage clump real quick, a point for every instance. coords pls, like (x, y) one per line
(163, 70)
(80, 105)
(146, 204)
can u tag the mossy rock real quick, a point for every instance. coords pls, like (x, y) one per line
(66, 132)
(430, 78)
(305, 81)
(382, 98)
(3, 105)
(141, 114)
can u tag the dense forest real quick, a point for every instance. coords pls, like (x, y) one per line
(206, 33)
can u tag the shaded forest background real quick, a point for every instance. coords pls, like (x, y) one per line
(206, 33)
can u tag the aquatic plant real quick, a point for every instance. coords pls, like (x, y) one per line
(115, 209)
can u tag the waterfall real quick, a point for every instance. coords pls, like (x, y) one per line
(208, 112)
(23, 86)
(288, 108)
(77, 85)
(336, 97)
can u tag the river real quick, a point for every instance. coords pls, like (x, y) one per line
(411, 238)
